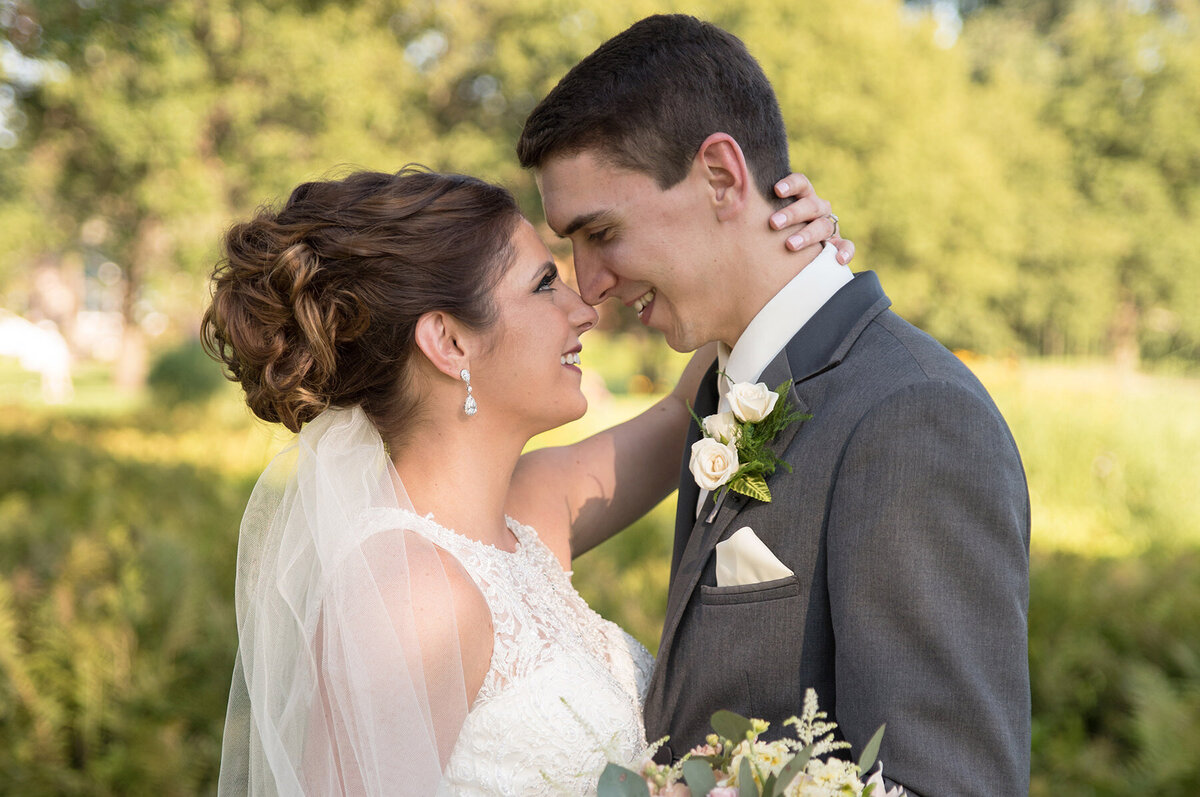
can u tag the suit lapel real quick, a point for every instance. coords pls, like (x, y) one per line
(689, 491)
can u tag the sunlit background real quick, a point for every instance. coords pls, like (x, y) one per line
(1024, 176)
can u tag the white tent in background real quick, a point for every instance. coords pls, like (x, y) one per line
(40, 349)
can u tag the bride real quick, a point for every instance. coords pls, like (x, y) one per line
(406, 619)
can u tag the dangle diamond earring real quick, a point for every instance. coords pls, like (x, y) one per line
(469, 406)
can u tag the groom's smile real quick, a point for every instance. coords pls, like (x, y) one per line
(642, 303)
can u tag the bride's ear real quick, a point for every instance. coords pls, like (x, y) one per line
(444, 342)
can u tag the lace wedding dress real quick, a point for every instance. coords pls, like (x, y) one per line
(563, 694)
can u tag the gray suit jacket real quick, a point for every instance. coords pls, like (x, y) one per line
(906, 525)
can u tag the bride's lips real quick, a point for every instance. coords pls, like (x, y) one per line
(571, 359)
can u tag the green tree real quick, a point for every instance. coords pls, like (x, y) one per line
(1120, 82)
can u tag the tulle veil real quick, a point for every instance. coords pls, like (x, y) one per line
(336, 689)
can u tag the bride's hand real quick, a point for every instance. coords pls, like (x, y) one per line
(810, 215)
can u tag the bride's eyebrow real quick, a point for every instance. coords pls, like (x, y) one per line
(549, 267)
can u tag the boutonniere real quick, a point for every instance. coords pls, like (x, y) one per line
(734, 453)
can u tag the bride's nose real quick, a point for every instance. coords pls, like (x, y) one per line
(582, 315)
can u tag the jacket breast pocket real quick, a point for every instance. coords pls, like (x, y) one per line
(757, 631)
(774, 590)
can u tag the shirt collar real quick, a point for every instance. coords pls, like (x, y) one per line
(782, 317)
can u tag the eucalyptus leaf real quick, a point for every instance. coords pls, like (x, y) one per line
(871, 751)
(746, 785)
(793, 768)
(731, 726)
(699, 776)
(617, 781)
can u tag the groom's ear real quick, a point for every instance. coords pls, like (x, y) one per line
(723, 168)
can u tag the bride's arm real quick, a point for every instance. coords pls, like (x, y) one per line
(579, 495)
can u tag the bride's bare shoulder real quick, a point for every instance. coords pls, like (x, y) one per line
(424, 583)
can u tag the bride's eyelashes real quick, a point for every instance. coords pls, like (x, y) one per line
(548, 279)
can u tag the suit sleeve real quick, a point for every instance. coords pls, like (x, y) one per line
(928, 567)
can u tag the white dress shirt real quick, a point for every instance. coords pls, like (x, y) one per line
(777, 323)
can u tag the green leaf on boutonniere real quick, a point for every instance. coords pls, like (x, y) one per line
(617, 781)
(692, 411)
(753, 486)
(731, 726)
(699, 776)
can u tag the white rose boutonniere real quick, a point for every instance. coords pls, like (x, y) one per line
(723, 426)
(751, 403)
(713, 463)
(734, 453)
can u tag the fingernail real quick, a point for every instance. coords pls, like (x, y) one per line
(842, 258)
(796, 241)
(778, 219)
(781, 186)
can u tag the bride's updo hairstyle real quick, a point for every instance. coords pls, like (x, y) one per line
(316, 305)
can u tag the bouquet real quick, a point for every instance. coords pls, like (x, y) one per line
(734, 762)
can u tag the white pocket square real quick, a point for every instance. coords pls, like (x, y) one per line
(744, 559)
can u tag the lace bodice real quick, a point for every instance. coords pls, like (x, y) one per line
(563, 694)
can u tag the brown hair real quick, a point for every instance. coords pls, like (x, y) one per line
(316, 305)
(648, 97)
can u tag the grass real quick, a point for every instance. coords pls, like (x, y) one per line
(1111, 457)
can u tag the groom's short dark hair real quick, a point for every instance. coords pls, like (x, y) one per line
(649, 96)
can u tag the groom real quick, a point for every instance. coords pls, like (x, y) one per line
(899, 543)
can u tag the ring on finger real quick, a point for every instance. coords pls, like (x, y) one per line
(833, 217)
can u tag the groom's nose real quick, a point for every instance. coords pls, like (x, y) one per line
(595, 281)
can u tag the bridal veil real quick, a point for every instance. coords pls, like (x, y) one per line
(349, 676)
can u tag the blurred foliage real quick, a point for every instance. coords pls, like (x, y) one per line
(1032, 188)
(184, 374)
(115, 612)
(118, 530)
(1115, 665)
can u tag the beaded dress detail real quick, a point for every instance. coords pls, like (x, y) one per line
(563, 693)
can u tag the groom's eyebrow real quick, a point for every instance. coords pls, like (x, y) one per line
(583, 220)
